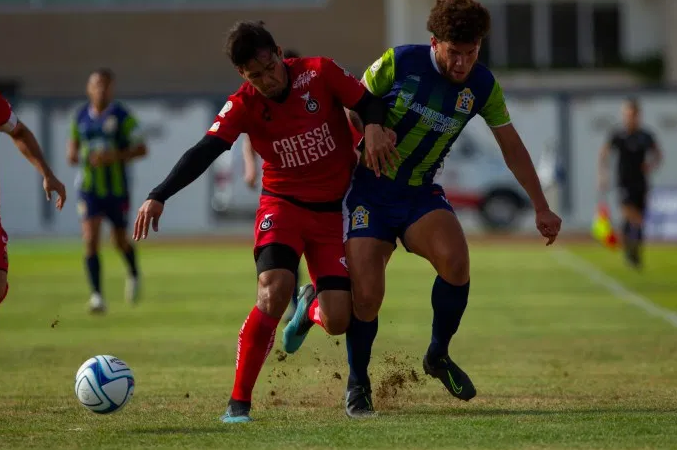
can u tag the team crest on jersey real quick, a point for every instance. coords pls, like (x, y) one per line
(465, 101)
(359, 218)
(267, 223)
(312, 105)
(110, 125)
(227, 107)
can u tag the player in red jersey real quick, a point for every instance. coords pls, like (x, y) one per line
(293, 112)
(27, 144)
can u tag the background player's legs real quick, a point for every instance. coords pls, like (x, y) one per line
(438, 237)
(124, 245)
(633, 232)
(91, 229)
(275, 264)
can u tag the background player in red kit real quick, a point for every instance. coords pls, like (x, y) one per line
(25, 141)
(293, 113)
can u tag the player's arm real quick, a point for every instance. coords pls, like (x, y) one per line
(250, 163)
(74, 145)
(371, 109)
(133, 136)
(518, 160)
(25, 141)
(655, 156)
(194, 162)
(603, 164)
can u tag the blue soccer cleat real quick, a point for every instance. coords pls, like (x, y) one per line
(297, 329)
(237, 412)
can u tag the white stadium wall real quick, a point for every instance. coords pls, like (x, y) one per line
(174, 127)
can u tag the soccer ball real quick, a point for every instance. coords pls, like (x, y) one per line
(104, 384)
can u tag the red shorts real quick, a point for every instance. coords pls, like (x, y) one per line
(317, 235)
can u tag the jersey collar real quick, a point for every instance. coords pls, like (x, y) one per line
(93, 115)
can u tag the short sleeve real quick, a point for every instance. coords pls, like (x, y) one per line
(495, 111)
(229, 122)
(380, 76)
(342, 84)
(8, 119)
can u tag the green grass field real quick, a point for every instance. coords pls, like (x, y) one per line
(559, 360)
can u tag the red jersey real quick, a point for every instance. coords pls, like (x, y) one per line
(8, 119)
(305, 141)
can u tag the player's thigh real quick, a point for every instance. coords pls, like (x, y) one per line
(117, 212)
(277, 252)
(326, 261)
(436, 235)
(367, 259)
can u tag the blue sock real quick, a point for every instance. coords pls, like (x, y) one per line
(295, 295)
(94, 272)
(359, 340)
(449, 304)
(130, 257)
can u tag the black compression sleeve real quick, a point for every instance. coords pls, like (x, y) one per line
(192, 164)
(371, 109)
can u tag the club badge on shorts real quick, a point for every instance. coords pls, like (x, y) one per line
(359, 218)
(267, 223)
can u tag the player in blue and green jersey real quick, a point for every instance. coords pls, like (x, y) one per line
(433, 92)
(104, 138)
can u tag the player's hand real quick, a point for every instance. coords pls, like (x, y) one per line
(380, 150)
(250, 177)
(102, 158)
(52, 184)
(548, 224)
(148, 214)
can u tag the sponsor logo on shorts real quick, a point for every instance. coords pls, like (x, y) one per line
(343, 262)
(359, 218)
(267, 223)
(312, 105)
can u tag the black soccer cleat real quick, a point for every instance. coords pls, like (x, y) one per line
(358, 402)
(452, 377)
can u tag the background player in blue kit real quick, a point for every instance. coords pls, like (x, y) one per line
(433, 91)
(105, 137)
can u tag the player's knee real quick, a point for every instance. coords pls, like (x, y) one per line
(453, 266)
(275, 289)
(367, 299)
(336, 309)
(91, 246)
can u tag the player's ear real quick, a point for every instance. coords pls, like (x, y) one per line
(240, 70)
(433, 42)
(279, 52)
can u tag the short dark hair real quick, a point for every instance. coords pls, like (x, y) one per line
(246, 39)
(105, 73)
(459, 21)
(291, 54)
(633, 103)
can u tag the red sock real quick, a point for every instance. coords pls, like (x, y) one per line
(257, 337)
(314, 313)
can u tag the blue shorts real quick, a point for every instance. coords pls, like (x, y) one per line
(115, 209)
(382, 209)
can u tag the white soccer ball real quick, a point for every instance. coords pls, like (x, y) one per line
(104, 384)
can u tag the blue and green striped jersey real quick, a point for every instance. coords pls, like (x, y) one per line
(114, 130)
(427, 110)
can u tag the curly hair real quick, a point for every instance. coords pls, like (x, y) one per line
(459, 21)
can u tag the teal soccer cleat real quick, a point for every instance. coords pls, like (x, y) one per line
(297, 329)
(237, 412)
